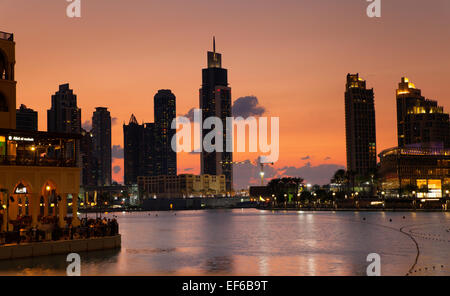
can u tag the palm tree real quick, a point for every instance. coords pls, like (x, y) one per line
(284, 187)
(339, 178)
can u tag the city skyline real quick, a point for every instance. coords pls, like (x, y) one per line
(312, 79)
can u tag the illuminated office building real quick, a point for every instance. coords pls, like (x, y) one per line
(420, 122)
(415, 172)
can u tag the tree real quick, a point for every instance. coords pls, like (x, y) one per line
(339, 178)
(410, 188)
(284, 187)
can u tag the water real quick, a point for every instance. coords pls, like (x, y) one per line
(253, 242)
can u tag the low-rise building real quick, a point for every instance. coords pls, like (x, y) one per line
(415, 172)
(186, 185)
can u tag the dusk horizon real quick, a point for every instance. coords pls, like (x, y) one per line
(303, 54)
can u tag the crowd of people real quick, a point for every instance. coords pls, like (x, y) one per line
(89, 228)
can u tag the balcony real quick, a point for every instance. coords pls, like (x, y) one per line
(40, 149)
(6, 36)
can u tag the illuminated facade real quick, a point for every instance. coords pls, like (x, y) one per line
(186, 185)
(360, 127)
(215, 101)
(420, 122)
(38, 170)
(415, 172)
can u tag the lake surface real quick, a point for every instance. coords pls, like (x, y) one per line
(253, 242)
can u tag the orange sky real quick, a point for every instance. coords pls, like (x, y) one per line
(292, 54)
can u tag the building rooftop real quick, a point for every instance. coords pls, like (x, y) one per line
(416, 151)
(6, 36)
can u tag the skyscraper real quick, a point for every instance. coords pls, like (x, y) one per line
(64, 115)
(165, 113)
(139, 150)
(101, 131)
(26, 119)
(132, 137)
(360, 127)
(420, 121)
(215, 101)
(88, 162)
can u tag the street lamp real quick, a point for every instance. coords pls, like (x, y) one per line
(262, 178)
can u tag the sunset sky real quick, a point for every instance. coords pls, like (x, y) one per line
(293, 55)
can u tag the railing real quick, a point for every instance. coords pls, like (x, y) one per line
(36, 161)
(6, 36)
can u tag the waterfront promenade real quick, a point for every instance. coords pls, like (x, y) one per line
(91, 235)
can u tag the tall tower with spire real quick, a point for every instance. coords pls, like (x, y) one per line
(215, 101)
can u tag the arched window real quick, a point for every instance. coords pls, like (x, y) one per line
(3, 73)
(3, 103)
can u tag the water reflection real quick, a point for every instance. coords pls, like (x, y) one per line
(252, 242)
(57, 264)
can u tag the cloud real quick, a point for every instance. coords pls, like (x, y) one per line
(247, 106)
(243, 107)
(306, 157)
(327, 158)
(117, 169)
(87, 125)
(247, 173)
(188, 169)
(117, 152)
(320, 174)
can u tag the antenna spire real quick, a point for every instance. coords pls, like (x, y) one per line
(214, 44)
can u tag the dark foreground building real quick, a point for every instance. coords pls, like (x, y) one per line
(101, 132)
(26, 119)
(215, 101)
(139, 150)
(165, 113)
(360, 127)
(64, 116)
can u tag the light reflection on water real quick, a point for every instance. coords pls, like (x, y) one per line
(252, 242)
